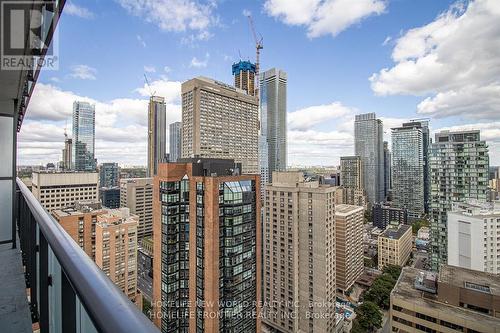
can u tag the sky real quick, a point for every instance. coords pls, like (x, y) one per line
(402, 59)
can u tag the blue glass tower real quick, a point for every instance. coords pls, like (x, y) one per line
(83, 150)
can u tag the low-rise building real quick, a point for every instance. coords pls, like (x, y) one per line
(394, 246)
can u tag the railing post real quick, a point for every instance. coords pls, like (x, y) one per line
(68, 305)
(33, 249)
(44, 284)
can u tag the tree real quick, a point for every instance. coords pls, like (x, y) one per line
(368, 216)
(393, 270)
(419, 224)
(369, 318)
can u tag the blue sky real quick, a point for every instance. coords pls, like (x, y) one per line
(402, 59)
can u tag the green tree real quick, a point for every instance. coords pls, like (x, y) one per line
(419, 224)
(369, 318)
(393, 270)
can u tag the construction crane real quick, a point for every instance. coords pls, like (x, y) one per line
(151, 94)
(258, 46)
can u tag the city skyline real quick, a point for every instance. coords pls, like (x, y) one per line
(318, 140)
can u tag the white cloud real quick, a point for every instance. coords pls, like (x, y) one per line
(174, 15)
(167, 69)
(386, 40)
(72, 9)
(83, 72)
(149, 69)
(141, 40)
(199, 63)
(306, 118)
(324, 17)
(454, 59)
(170, 90)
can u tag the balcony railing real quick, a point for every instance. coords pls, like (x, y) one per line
(68, 292)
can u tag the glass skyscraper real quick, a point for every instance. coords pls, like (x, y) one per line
(175, 137)
(83, 149)
(157, 134)
(369, 145)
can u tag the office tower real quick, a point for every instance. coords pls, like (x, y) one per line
(387, 170)
(395, 245)
(474, 236)
(157, 134)
(368, 144)
(58, 190)
(426, 139)
(244, 76)
(299, 254)
(79, 222)
(116, 249)
(83, 148)
(207, 247)
(453, 300)
(273, 114)
(383, 215)
(349, 245)
(109, 174)
(66, 153)
(110, 197)
(458, 171)
(137, 195)
(175, 137)
(408, 169)
(220, 121)
(263, 163)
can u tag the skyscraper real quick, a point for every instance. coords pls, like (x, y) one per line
(351, 172)
(175, 137)
(157, 134)
(459, 164)
(220, 121)
(137, 195)
(408, 169)
(66, 153)
(83, 149)
(369, 145)
(273, 119)
(244, 76)
(109, 174)
(387, 170)
(207, 243)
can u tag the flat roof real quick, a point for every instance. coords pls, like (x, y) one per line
(405, 290)
(396, 233)
(470, 279)
(345, 209)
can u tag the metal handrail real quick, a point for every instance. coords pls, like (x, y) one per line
(107, 306)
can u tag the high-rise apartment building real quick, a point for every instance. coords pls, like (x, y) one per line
(157, 134)
(273, 84)
(395, 245)
(349, 245)
(458, 171)
(137, 195)
(383, 215)
(116, 249)
(426, 139)
(207, 244)
(109, 174)
(175, 137)
(220, 121)
(474, 236)
(79, 222)
(67, 151)
(351, 172)
(110, 197)
(408, 169)
(369, 145)
(83, 148)
(59, 190)
(453, 300)
(299, 254)
(387, 170)
(244, 76)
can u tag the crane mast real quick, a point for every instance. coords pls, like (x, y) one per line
(258, 46)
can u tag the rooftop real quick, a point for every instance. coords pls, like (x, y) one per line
(346, 209)
(470, 279)
(396, 232)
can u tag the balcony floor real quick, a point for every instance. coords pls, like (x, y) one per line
(14, 309)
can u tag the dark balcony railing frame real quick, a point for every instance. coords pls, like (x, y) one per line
(105, 304)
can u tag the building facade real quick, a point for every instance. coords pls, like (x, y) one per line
(349, 245)
(351, 172)
(453, 300)
(83, 147)
(244, 76)
(369, 145)
(383, 215)
(109, 174)
(387, 170)
(408, 169)
(59, 190)
(175, 137)
(137, 195)
(395, 245)
(157, 134)
(220, 121)
(206, 248)
(458, 171)
(474, 236)
(299, 223)
(110, 197)
(273, 114)
(67, 160)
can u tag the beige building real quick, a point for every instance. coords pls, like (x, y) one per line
(116, 249)
(351, 179)
(137, 195)
(79, 222)
(62, 189)
(454, 300)
(349, 245)
(395, 245)
(220, 121)
(299, 254)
